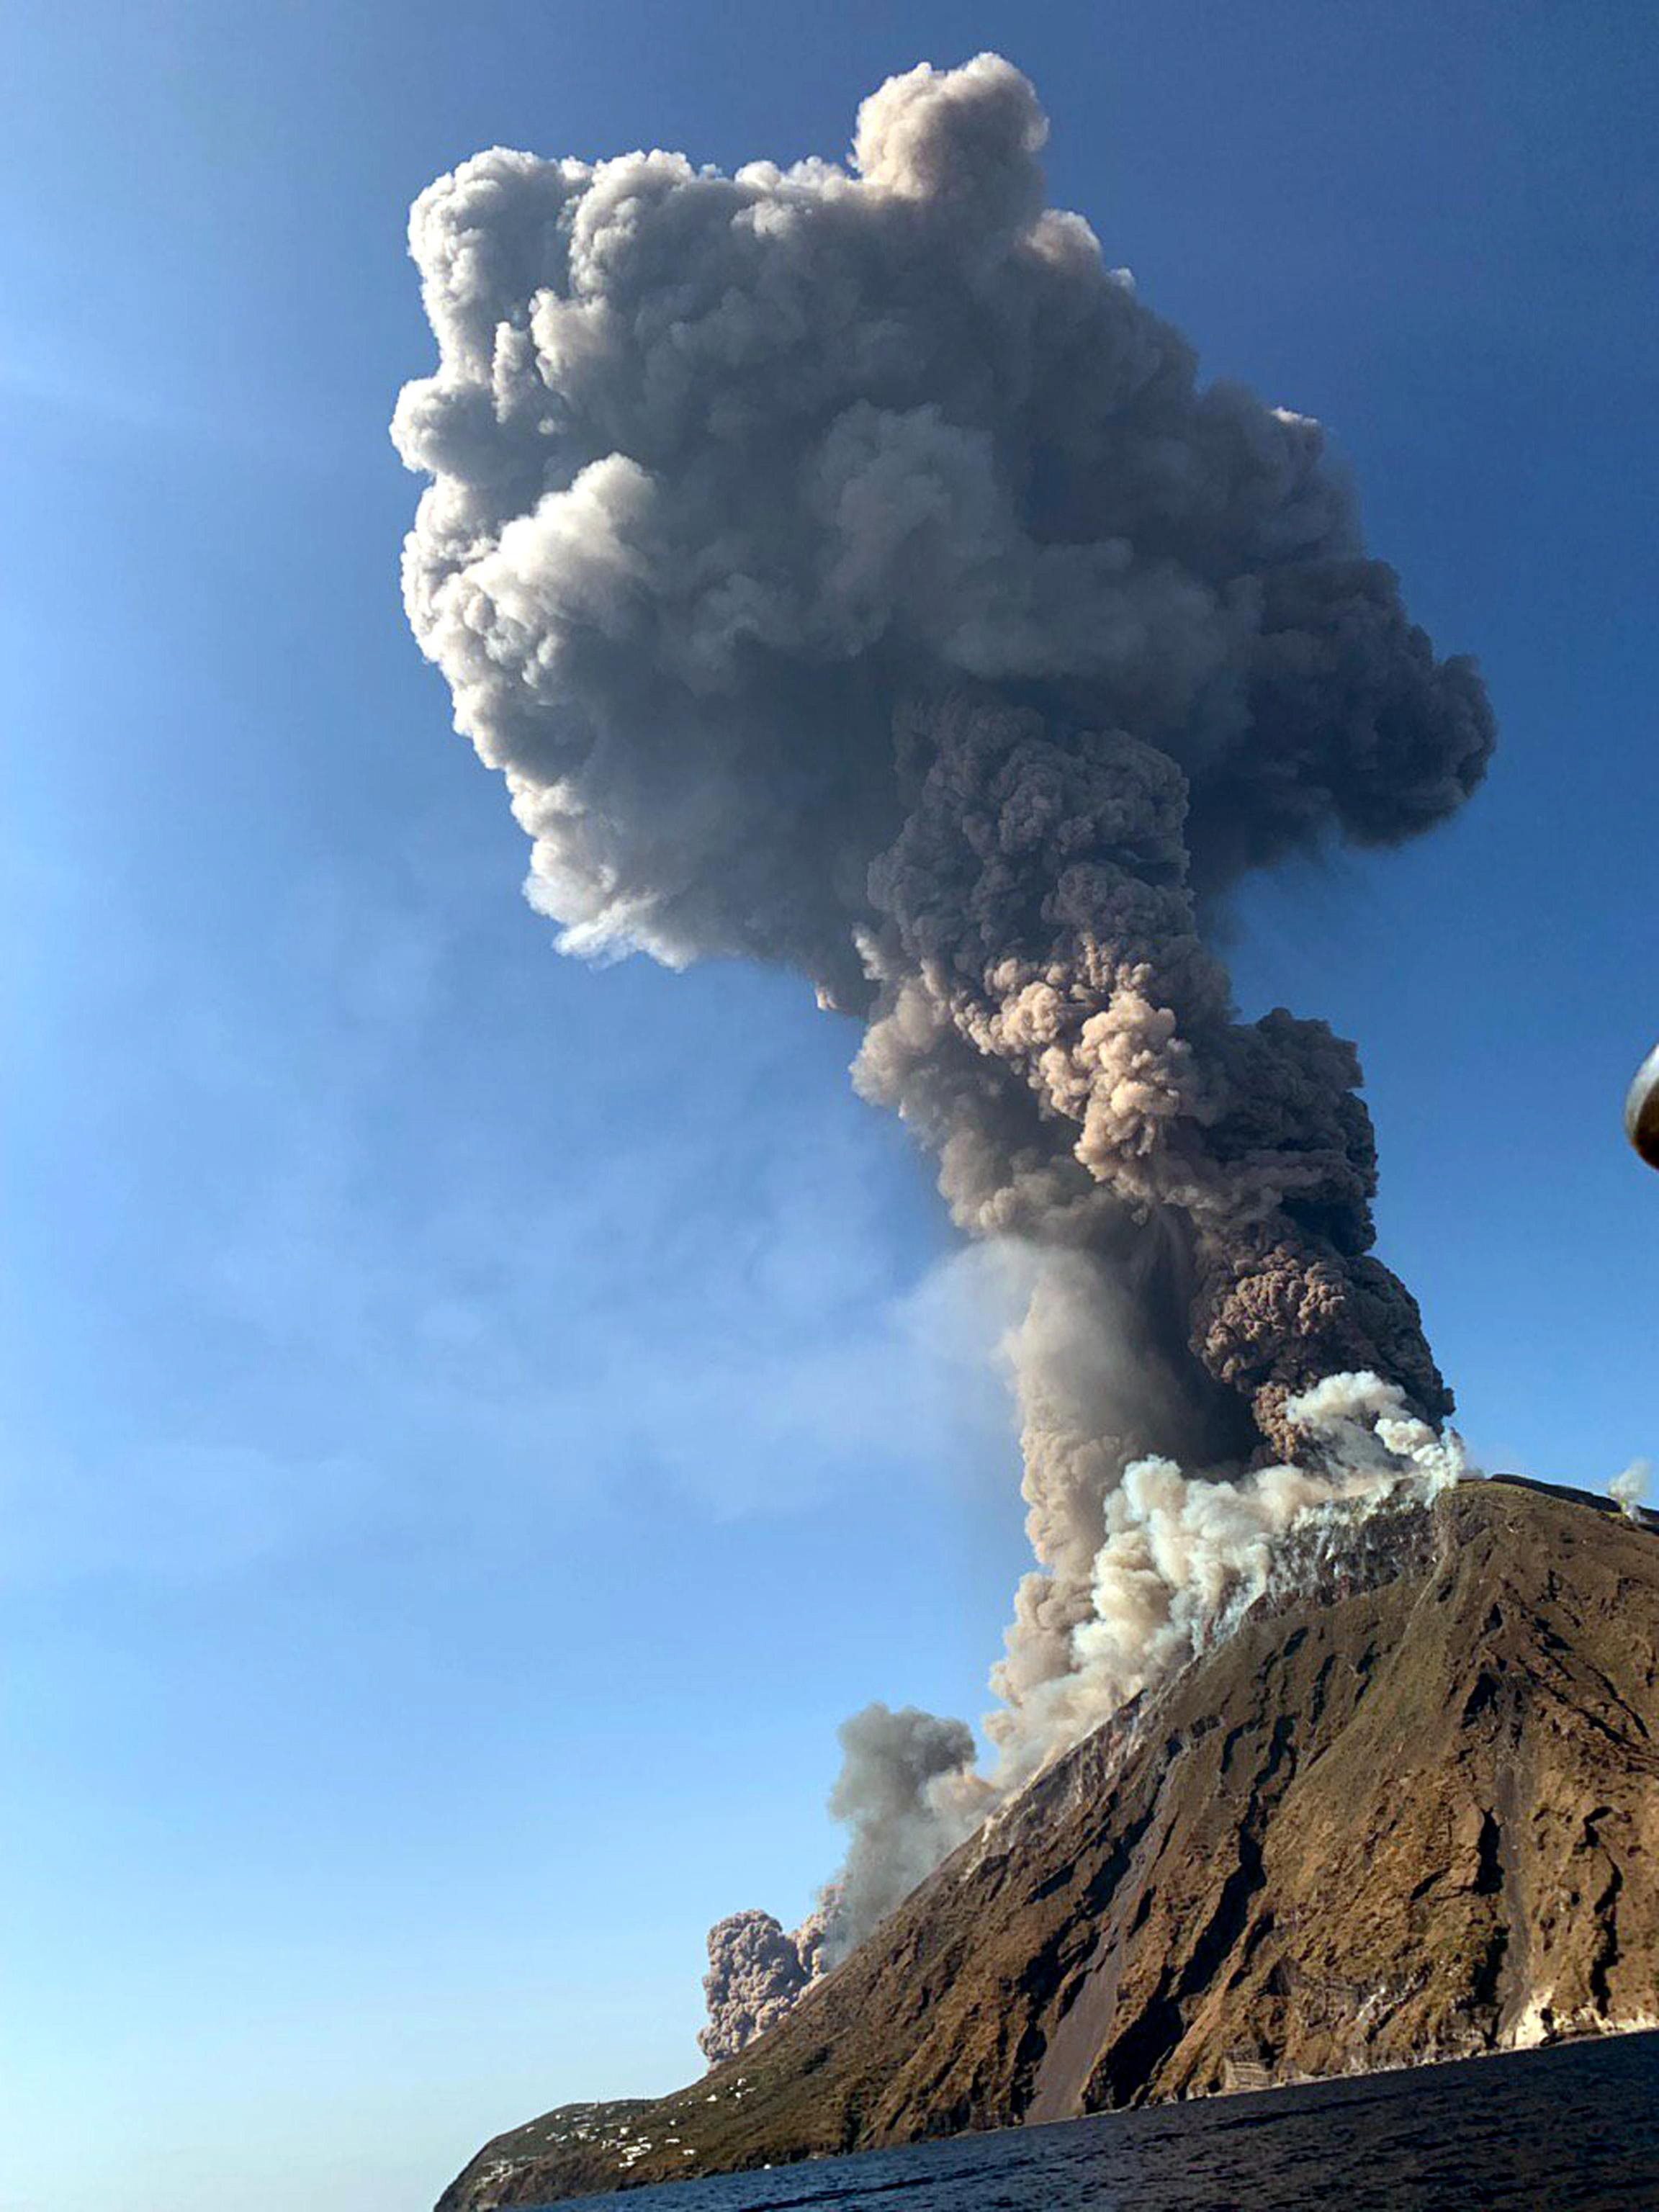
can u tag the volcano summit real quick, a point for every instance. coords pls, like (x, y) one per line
(1408, 1811)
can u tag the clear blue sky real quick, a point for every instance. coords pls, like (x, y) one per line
(468, 1439)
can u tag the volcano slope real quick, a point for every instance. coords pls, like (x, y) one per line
(1409, 1811)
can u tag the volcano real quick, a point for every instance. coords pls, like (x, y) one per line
(1406, 1812)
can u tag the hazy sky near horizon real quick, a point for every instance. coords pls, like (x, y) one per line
(468, 1439)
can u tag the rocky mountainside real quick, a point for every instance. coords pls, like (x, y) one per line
(1408, 1811)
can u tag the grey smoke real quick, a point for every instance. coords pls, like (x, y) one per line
(908, 1795)
(755, 1972)
(845, 568)
(907, 1792)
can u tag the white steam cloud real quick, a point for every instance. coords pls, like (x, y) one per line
(1630, 1487)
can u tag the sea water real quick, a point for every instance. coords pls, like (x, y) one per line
(1571, 2130)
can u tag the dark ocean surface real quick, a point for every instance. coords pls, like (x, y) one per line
(1572, 2130)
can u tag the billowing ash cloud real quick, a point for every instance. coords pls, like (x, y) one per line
(908, 1795)
(908, 1792)
(846, 569)
(755, 1972)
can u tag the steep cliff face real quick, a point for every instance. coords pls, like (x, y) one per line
(1413, 1816)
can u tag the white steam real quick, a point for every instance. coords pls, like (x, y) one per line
(1630, 1487)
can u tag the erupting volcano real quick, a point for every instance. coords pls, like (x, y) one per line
(845, 569)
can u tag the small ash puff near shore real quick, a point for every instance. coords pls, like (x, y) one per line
(844, 568)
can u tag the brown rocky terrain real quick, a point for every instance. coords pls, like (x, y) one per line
(1411, 1813)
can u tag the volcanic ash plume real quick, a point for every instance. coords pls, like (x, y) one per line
(755, 1972)
(844, 568)
(908, 1791)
